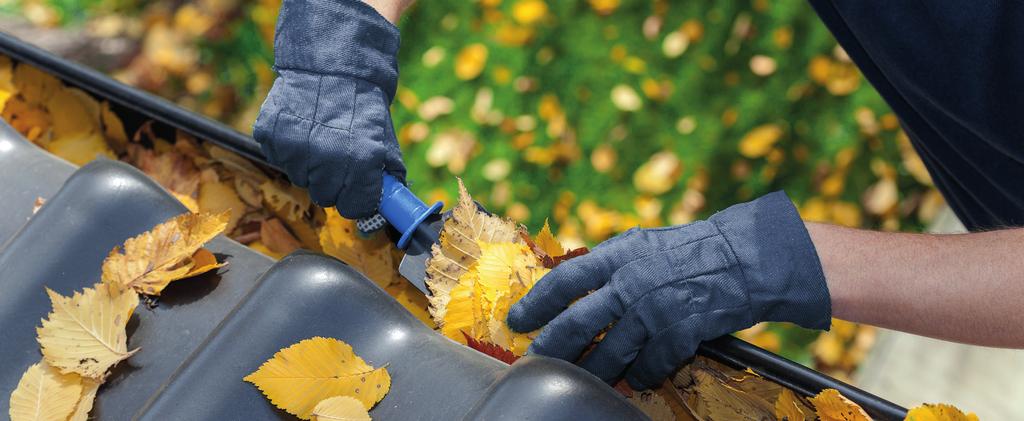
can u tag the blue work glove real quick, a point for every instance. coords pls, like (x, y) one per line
(668, 289)
(326, 121)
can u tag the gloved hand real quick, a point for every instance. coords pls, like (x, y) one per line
(326, 121)
(668, 289)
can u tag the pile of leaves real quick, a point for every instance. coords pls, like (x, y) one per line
(84, 336)
(265, 212)
(321, 379)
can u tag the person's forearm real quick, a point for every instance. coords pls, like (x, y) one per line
(390, 9)
(965, 287)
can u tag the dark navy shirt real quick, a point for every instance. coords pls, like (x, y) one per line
(953, 71)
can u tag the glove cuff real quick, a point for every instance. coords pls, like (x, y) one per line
(784, 277)
(338, 37)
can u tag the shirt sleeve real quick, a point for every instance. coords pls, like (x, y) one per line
(953, 71)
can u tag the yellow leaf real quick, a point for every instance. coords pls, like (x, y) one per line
(85, 402)
(35, 85)
(44, 394)
(85, 333)
(370, 256)
(113, 128)
(939, 412)
(343, 408)
(459, 248)
(547, 241)
(604, 7)
(470, 61)
(80, 149)
(203, 261)
(74, 113)
(760, 140)
(188, 201)
(153, 259)
(300, 376)
(786, 407)
(290, 201)
(31, 120)
(528, 12)
(220, 197)
(659, 174)
(832, 406)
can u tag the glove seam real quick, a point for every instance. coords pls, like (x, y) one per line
(735, 258)
(652, 253)
(648, 292)
(322, 74)
(316, 112)
(312, 120)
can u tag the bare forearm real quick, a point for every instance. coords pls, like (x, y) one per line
(966, 287)
(390, 9)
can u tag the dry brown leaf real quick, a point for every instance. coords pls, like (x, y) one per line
(172, 170)
(44, 394)
(718, 400)
(85, 333)
(653, 405)
(787, 408)
(151, 260)
(277, 238)
(218, 197)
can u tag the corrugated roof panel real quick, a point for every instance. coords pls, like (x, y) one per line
(203, 335)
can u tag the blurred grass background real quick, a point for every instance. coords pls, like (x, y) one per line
(597, 115)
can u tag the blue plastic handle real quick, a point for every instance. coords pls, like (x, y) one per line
(403, 210)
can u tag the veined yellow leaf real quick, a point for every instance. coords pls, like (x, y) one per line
(302, 375)
(832, 406)
(85, 333)
(168, 252)
(85, 402)
(340, 408)
(44, 394)
(939, 412)
(547, 241)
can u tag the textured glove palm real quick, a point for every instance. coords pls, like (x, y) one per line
(326, 121)
(668, 289)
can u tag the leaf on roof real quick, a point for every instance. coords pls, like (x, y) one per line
(298, 377)
(340, 408)
(168, 252)
(44, 394)
(85, 333)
